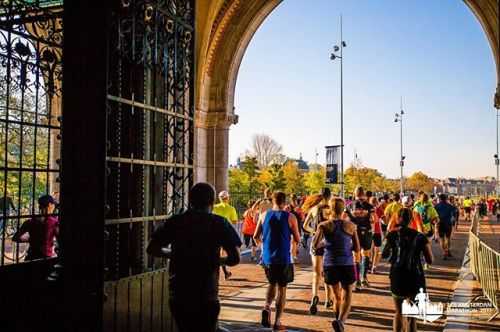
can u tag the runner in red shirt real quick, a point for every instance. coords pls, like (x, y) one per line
(248, 229)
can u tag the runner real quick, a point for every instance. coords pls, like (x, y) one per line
(377, 232)
(277, 228)
(363, 216)
(295, 209)
(225, 210)
(447, 213)
(339, 239)
(467, 205)
(404, 248)
(391, 212)
(317, 207)
(40, 232)
(426, 215)
(248, 229)
(196, 237)
(456, 218)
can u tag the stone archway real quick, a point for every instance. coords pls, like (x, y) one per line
(225, 29)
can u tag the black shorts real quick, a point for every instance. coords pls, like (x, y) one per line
(444, 230)
(205, 315)
(281, 274)
(317, 252)
(365, 238)
(248, 239)
(341, 273)
(377, 240)
(467, 209)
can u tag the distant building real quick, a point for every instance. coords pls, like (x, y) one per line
(461, 186)
(302, 165)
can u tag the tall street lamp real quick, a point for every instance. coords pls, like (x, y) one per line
(497, 162)
(338, 54)
(399, 118)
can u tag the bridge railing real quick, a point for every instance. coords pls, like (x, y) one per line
(485, 266)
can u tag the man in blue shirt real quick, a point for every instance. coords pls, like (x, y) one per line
(276, 228)
(447, 213)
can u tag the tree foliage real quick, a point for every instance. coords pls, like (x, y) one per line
(294, 180)
(420, 181)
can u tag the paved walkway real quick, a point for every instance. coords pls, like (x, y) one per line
(243, 296)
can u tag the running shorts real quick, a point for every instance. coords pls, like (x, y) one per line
(248, 239)
(444, 230)
(377, 240)
(281, 274)
(340, 273)
(467, 209)
(365, 238)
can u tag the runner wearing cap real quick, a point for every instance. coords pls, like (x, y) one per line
(225, 210)
(40, 231)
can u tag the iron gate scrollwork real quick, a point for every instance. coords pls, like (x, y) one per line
(31, 36)
(149, 159)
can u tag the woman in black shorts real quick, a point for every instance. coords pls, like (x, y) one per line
(338, 238)
(404, 248)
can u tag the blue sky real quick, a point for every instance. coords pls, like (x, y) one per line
(432, 52)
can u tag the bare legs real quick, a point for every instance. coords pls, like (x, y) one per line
(400, 323)
(317, 267)
(376, 257)
(280, 301)
(343, 299)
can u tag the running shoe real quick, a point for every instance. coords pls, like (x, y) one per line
(358, 286)
(313, 309)
(227, 275)
(328, 304)
(266, 318)
(365, 283)
(279, 327)
(338, 326)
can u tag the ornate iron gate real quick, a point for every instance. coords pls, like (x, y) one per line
(30, 114)
(149, 152)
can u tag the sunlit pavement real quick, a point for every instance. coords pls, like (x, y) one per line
(373, 310)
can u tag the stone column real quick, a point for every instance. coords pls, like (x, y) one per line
(211, 147)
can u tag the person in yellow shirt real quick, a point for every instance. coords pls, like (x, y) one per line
(391, 212)
(226, 210)
(467, 205)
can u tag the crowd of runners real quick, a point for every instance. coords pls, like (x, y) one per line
(345, 238)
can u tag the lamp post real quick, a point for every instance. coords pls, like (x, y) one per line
(399, 118)
(497, 161)
(338, 54)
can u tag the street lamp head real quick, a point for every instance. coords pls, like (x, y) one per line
(402, 112)
(344, 44)
(396, 120)
(333, 56)
(336, 48)
(495, 156)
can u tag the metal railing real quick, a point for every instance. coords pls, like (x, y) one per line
(484, 263)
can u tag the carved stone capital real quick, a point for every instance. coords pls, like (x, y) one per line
(215, 119)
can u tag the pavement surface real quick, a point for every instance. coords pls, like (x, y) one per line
(243, 295)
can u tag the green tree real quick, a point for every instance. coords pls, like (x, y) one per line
(278, 181)
(239, 181)
(315, 180)
(420, 181)
(251, 167)
(293, 178)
